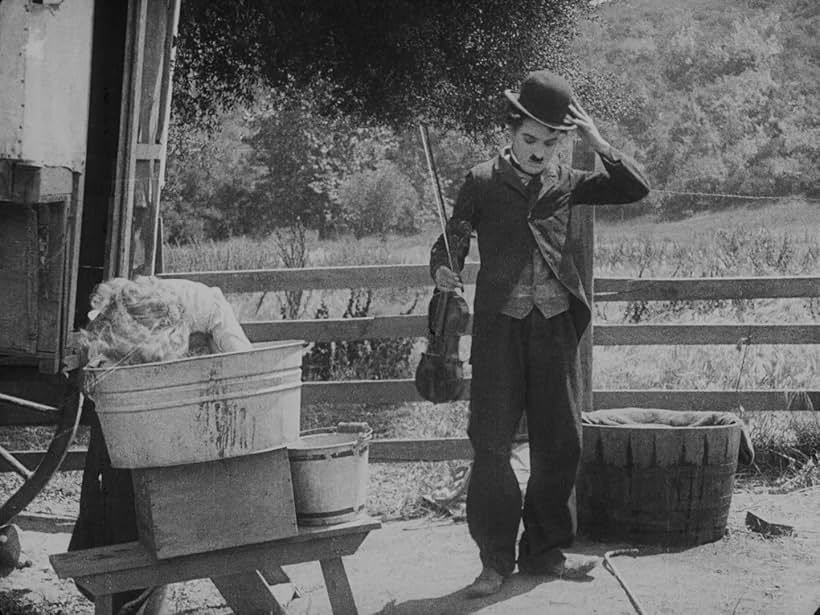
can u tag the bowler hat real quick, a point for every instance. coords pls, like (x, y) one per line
(544, 97)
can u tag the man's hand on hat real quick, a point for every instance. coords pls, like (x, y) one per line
(586, 127)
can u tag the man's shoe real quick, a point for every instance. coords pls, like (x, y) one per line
(487, 583)
(574, 566)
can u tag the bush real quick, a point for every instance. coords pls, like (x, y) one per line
(375, 202)
(373, 359)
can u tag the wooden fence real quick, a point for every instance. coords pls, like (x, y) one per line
(605, 290)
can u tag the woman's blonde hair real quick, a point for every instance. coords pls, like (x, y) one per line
(135, 321)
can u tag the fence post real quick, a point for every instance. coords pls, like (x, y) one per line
(582, 236)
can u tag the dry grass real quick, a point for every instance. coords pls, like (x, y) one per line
(790, 218)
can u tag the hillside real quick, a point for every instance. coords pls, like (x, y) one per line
(727, 93)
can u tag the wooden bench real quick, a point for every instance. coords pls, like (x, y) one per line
(235, 571)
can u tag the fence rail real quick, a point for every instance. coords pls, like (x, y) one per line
(410, 276)
(403, 390)
(398, 391)
(672, 289)
(327, 330)
(443, 449)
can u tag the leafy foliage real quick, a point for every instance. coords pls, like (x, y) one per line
(315, 121)
(393, 60)
(208, 179)
(377, 201)
(279, 161)
(728, 95)
(287, 111)
(358, 359)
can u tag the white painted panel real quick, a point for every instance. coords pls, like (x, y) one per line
(45, 112)
(13, 20)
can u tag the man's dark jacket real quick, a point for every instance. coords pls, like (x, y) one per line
(493, 202)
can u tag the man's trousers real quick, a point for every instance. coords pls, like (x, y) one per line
(529, 365)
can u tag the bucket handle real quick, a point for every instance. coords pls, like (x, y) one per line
(364, 431)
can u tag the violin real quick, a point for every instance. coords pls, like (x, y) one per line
(440, 374)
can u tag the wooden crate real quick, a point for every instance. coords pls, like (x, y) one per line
(215, 505)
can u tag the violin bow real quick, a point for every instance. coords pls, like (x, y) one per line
(431, 166)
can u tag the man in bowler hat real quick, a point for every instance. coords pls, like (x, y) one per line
(530, 312)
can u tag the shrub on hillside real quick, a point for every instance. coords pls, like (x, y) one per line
(728, 96)
(375, 202)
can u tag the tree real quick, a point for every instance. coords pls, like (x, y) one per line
(378, 201)
(326, 91)
(389, 60)
(208, 179)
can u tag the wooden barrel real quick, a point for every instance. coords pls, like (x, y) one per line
(656, 484)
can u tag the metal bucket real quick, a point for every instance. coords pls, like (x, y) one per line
(200, 408)
(329, 471)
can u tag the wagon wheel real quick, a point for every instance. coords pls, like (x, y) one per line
(67, 418)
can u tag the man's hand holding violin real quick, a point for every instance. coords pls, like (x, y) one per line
(447, 279)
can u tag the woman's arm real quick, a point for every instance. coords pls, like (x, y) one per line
(226, 332)
(208, 312)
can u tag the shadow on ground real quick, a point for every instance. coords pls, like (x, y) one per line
(458, 603)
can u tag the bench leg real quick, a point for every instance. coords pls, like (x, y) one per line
(104, 605)
(274, 575)
(338, 587)
(248, 594)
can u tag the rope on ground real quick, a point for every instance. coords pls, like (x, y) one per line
(611, 569)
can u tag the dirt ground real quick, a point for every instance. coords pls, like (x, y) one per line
(421, 567)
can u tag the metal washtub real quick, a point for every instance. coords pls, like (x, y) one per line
(200, 408)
